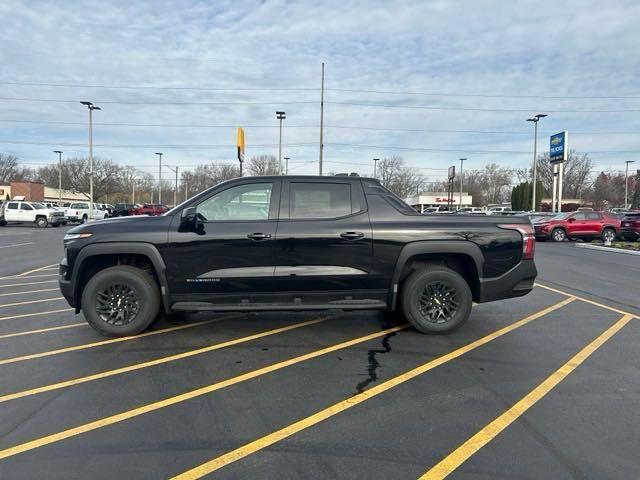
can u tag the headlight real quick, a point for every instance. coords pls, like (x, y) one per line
(75, 236)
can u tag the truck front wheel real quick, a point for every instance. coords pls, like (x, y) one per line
(436, 299)
(120, 301)
(41, 222)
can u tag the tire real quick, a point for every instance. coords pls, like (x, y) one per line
(55, 225)
(42, 222)
(436, 281)
(558, 235)
(84, 219)
(2, 223)
(111, 284)
(608, 234)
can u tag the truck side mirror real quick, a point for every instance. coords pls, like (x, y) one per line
(189, 221)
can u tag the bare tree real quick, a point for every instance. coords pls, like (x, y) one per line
(11, 171)
(497, 182)
(208, 175)
(260, 165)
(401, 180)
(577, 174)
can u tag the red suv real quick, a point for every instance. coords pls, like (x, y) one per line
(584, 225)
(630, 226)
(149, 209)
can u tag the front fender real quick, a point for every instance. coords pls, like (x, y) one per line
(123, 248)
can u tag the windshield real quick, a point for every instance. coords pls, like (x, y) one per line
(38, 206)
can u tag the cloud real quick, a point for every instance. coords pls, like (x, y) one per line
(579, 48)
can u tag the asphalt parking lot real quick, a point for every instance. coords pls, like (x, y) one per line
(544, 386)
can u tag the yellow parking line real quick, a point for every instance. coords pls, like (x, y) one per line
(452, 461)
(33, 271)
(44, 330)
(30, 291)
(31, 301)
(158, 361)
(339, 407)
(586, 300)
(27, 283)
(24, 315)
(126, 415)
(75, 348)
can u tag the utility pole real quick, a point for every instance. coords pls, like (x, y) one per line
(321, 119)
(626, 183)
(91, 108)
(461, 163)
(59, 176)
(159, 178)
(280, 116)
(535, 119)
(375, 167)
(286, 165)
(133, 190)
(175, 192)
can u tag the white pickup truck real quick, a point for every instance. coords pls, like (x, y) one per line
(20, 211)
(79, 212)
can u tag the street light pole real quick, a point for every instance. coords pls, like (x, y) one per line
(159, 177)
(626, 183)
(375, 167)
(59, 176)
(175, 192)
(280, 116)
(286, 165)
(535, 119)
(91, 108)
(461, 163)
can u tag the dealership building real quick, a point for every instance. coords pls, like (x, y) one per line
(438, 199)
(37, 192)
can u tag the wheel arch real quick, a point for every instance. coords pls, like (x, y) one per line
(463, 257)
(96, 257)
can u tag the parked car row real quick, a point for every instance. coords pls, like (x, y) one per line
(586, 225)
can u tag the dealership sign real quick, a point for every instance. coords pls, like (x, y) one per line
(558, 147)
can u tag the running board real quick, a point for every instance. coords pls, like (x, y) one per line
(253, 307)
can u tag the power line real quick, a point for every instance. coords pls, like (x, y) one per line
(314, 89)
(119, 102)
(115, 145)
(484, 95)
(310, 102)
(152, 87)
(339, 127)
(476, 109)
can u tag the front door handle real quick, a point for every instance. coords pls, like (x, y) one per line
(352, 235)
(259, 236)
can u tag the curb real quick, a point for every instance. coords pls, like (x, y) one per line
(607, 249)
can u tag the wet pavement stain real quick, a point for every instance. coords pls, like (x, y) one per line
(373, 363)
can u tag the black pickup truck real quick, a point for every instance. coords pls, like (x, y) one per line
(294, 243)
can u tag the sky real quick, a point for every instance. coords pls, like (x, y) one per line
(432, 81)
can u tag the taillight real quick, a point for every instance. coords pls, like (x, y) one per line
(528, 238)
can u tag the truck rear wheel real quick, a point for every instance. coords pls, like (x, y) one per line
(436, 299)
(120, 301)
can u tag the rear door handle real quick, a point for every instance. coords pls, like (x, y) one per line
(352, 235)
(259, 236)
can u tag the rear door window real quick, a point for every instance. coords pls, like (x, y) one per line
(12, 206)
(319, 200)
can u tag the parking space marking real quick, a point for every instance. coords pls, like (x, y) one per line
(126, 415)
(20, 277)
(75, 348)
(450, 463)
(29, 291)
(17, 245)
(158, 361)
(25, 315)
(46, 267)
(31, 301)
(586, 300)
(278, 435)
(27, 283)
(44, 330)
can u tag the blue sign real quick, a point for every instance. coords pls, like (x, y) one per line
(558, 147)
